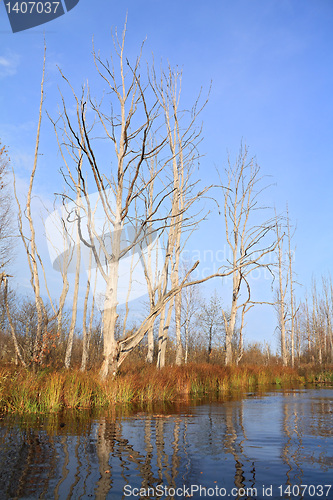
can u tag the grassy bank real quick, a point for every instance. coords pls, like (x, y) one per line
(51, 391)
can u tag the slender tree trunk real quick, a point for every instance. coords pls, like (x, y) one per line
(86, 332)
(70, 340)
(230, 326)
(178, 299)
(179, 347)
(241, 341)
(161, 341)
(150, 339)
(292, 309)
(12, 328)
(281, 296)
(32, 252)
(330, 312)
(186, 340)
(163, 334)
(210, 340)
(3, 306)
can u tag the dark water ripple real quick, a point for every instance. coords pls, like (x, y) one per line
(278, 440)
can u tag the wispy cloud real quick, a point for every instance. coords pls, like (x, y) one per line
(9, 63)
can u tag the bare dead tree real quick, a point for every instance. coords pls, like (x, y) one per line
(317, 323)
(128, 128)
(4, 284)
(211, 322)
(27, 232)
(281, 296)
(6, 245)
(29, 242)
(115, 222)
(6, 229)
(74, 307)
(183, 138)
(293, 308)
(71, 231)
(190, 302)
(87, 326)
(250, 242)
(150, 258)
(313, 323)
(286, 302)
(328, 313)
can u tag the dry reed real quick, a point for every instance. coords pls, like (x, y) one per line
(50, 391)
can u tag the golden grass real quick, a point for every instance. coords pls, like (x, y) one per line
(50, 391)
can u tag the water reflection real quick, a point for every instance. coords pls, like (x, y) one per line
(239, 447)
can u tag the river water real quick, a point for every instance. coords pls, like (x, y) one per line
(277, 444)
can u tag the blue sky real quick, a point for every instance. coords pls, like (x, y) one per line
(271, 67)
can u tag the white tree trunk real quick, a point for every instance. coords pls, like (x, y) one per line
(163, 334)
(150, 340)
(70, 340)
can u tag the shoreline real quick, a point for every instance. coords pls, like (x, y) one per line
(49, 391)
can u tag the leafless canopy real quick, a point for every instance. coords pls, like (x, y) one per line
(250, 241)
(131, 148)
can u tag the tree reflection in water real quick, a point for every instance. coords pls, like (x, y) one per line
(276, 439)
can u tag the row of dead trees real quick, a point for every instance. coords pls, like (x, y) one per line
(132, 199)
(202, 334)
(307, 335)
